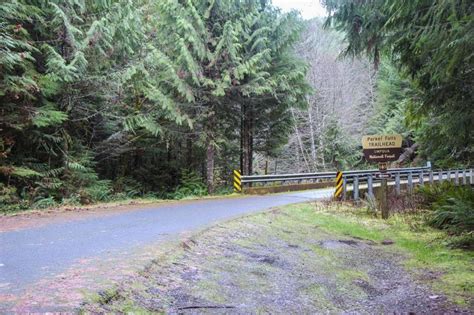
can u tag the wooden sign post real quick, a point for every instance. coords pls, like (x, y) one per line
(382, 149)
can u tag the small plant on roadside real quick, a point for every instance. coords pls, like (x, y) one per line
(99, 190)
(191, 186)
(452, 210)
(224, 190)
(10, 201)
(43, 203)
(73, 200)
(371, 204)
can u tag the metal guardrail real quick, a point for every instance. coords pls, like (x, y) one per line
(249, 179)
(353, 180)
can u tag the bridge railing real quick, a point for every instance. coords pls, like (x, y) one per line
(356, 180)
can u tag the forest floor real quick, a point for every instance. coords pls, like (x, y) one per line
(306, 258)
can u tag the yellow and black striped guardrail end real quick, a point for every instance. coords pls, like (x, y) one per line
(338, 192)
(237, 181)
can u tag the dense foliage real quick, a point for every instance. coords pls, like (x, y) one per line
(119, 98)
(452, 209)
(431, 44)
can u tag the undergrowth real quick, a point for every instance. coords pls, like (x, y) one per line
(451, 209)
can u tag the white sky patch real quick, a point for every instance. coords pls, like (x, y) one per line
(308, 8)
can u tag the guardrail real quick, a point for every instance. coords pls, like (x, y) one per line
(357, 179)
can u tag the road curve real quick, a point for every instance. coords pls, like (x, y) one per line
(27, 255)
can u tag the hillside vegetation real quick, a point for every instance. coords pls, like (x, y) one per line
(105, 100)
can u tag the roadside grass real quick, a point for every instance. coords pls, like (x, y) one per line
(279, 256)
(451, 270)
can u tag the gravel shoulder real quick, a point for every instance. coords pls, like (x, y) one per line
(287, 260)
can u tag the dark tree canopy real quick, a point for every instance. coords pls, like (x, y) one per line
(124, 98)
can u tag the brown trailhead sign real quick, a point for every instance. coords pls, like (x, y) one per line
(382, 148)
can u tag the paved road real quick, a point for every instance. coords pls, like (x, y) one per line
(30, 254)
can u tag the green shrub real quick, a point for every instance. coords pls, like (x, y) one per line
(224, 190)
(43, 203)
(454, 211)
(99, 190)
(452, 207)
(72, 200)
(127, 187)
(191, 185)
(436, 192)
(371, 205)
(10, 200)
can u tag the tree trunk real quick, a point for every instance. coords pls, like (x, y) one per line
(210, 155)
(311, 135)
(242, 119)
(251, 119)
(210, 152)
(245, 140)
(189, 151)
(300, 143)
(407, 154)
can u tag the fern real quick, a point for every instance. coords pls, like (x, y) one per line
(47, 116)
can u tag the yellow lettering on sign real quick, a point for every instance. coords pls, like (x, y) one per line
(381, 141)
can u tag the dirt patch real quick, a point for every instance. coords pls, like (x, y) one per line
(253, 265)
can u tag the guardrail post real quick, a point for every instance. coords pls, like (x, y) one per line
(344, 188)
(410, 182)
(355, 187)
(338, 191)
(456, 177)
(431, 177)
(464, 177)
(440, 176)
(471, 181)
(237, 181)
(397, 184)
(370, 189)
(422, 178)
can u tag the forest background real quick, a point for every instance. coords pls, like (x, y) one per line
(113, 99)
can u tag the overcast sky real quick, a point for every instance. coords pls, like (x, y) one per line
(308, 8)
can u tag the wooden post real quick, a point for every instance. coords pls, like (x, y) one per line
(370, 190)
(355, 187)
(397, 184)
(383, 199)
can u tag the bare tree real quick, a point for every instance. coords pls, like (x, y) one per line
(343, 91)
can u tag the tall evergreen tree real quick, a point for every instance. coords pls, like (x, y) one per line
(105, 97)
(238, 54)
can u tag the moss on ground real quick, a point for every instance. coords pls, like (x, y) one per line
(452, 268)
(301, 258)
